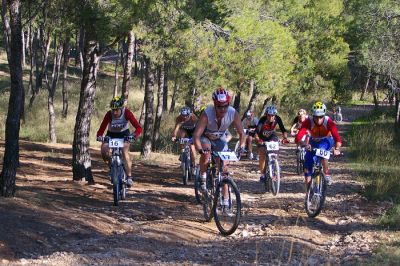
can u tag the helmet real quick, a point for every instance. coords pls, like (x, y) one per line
(271, 110)
(221, 96)
(249, 113)
(302, 112)
(318, 109)
(185, 111)
(117, 102)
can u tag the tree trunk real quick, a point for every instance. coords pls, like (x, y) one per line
(81, 162)
(160, 102)
(173, 99)
(253, 98)
(397, 110)
(148, 121)
(66, 49)
(7, 28)
(365, 88)
(165, 89)
(375, 92)
(142, 114)
(51, 87)
(128, 65)
(115, 92)
(80, 47)
(236, 102)
(251, 88)
(34, 65)
(190, 100)
(11, 153)
(135, 58)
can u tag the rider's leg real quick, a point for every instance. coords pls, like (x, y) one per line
(308, 164)
(193, 154)
(249, 145)
(261, 161)
(128, 163)
(181, 134)
(205, 145)
(105, 153)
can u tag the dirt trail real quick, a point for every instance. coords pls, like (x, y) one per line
(55, 221)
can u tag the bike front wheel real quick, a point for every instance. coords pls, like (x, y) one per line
(274, 177)
(227, 206)
(116, 185)
(299, 162)
(315, 196)
(185, 169)
(197, 192)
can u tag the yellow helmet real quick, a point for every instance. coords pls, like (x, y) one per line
(318, 109)
(117, 102)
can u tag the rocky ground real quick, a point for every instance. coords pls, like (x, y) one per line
(56, 221)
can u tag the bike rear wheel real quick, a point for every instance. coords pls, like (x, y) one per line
(275, 177)
(315, 196)
(227, 211)
(123, 184)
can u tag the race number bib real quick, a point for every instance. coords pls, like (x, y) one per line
(228, 156)
(116, 143)
(272, 145)
(185, 140)
(322, 153)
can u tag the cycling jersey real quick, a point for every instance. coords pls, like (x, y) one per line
(250, 123)
(212, 130)
(325, 130)
(265, 129)
(119, 124)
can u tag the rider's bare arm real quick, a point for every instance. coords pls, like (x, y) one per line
(200, 127)
(239, 129)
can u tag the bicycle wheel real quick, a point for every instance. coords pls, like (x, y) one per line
(274, 176)
(123, 184)
(227, 210)
(208, 197)
(116, 186)
(315, 196)
(184, 167)
(197, 192)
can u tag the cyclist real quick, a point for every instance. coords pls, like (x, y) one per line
(185, 124)
(250, 121)
(211, 128)
(265, 131)
(298, 120)
(323, 134)
(116, 121)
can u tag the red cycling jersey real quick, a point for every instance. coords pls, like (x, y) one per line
(326, 129)
(128, 115)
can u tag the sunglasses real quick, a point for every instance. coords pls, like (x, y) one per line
(319, 117)
(222, 106)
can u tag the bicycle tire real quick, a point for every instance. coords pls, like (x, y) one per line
(317, 185)
(196, 182)
(266, 178)
(116, 187)
(184, 168)
(220, 212)
(298, 162)
(275, 182)
(208, 197)
(123, 184)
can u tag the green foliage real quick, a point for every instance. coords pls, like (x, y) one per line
(376, 155)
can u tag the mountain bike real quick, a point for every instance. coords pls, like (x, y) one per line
(117, 168)
(239, 154)
(316, 189)
(186, 159)
(272, 172)
(221, 198)
(300, 154)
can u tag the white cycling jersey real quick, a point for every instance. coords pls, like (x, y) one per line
(212, 130)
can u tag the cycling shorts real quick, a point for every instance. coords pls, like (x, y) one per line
(216, 145)
(189, 132)
(118, 135)
(324, 143)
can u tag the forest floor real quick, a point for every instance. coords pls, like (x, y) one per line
(53, 220)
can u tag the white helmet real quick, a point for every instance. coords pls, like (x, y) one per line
(271, 110)
(318, 109)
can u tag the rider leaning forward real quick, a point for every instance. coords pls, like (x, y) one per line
(323, 135)
(185, 124)
(265, 131)
(116, 121)
(211, 128)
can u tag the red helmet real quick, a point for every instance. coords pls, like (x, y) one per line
(221, 96)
